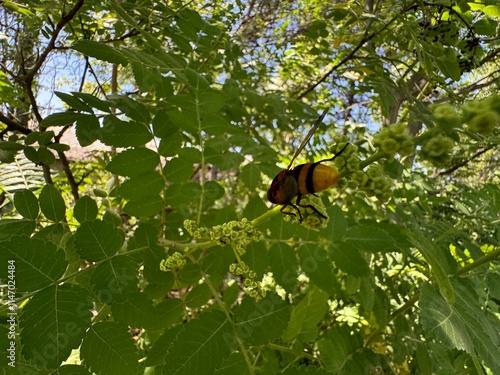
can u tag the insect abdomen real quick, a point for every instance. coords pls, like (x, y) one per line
(315, 177)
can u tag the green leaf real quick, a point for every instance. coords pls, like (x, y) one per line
(234, 364)
(53, 323)
(169, 146)
(93, 101)
(178, 170)
(493, 283)
(210, 101)
(97, 240)
(349, 259)
(73, 102)
(448, 64)
(303, 324)
(369, 238)
(433, 255)
(492, 10)
(180, 195)
(315, 263)
(87, 130)
(205, 342)
(162, 126)
(131, 108)
(138, 311)
(37, 263)
(26, 204)
(100, 51)
(52, 203)
(115, 279)
(124, 134)
(306, 370)
(442, 321)
(61, 119)
(140, 187)
(250, 175)
(149, 206)
(284, 265)
(185, 120)
(215, 124)
(59, 147)
(212, 191)
(337, 345)
(109, 349)
(10, 228)
(10, 146)
(46, 157)
(161, 347)
(258, 323)
(134, 162)
(72, 370)
(85, 209)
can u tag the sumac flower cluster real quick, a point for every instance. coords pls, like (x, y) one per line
(237, 233)
(374, 183)
(394, 139)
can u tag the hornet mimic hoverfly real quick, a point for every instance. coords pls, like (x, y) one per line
(304, 179)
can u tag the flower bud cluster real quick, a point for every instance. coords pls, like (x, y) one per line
(437, 150)
(483, 116)
(237, 233)
(193, 229)
(250, 284)
(310, 218)
(480, 116)
(174, 262)
(394, 139)
(348, 160)
(374, 183)
(446, 116)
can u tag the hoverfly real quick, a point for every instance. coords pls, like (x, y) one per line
(308, 178)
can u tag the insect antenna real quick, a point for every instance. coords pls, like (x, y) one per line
(308, 136)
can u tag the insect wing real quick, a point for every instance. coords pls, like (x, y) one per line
(308, 136)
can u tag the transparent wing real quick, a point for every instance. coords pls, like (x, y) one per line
(308, 136)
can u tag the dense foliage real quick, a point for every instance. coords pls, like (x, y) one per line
(139, 139)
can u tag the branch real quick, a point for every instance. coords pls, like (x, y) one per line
(465, 162)
(363, 41)
(28, 78)
(69, 175)
(13, 125)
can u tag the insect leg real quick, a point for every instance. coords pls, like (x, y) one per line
(291, 213)
(297, 202)
(334, 156)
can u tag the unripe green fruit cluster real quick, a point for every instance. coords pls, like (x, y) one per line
(437, 150)
(394, 139)
(348, 161)
(237, 233)
(252, 287)
(480, 116)
(374, 183)
(446, 116)
(310, 218)
(174, 262)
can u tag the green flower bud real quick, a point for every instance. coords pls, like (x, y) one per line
(390, 146)
(446, 116)
(437, 150)
(484, 123)
(493, 103)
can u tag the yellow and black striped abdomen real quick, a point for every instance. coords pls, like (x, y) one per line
(315, 177)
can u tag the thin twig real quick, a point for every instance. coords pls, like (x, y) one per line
(363, 41)
(28, 78)
(465, 162)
